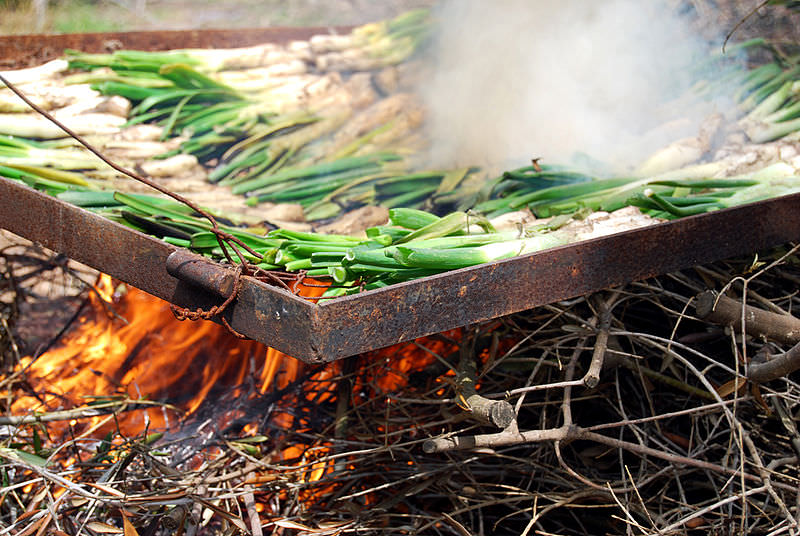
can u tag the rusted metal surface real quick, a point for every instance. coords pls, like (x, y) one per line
(354, 324)
(201, 272)
(383, 317)
(25, 50)
(267, 314)
(115, 249)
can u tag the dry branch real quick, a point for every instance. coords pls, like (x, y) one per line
(174, 518)
(509, 436)
(776, 366)
(725, 311)
(120, 406)
(592, 376)
(499, 413)
(571, 433)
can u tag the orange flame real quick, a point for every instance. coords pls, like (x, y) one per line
(142, 352)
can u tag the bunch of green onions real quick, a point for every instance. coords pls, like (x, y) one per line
(275, 158)
(327, 188)
(45, 166)
(184, 101)
(415, 244)
(767, 95)
(777, 115)
(266, 156)
(671, 195)
(384, 43)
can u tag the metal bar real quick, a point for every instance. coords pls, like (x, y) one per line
(434, 304)
(201, 272)
(23, 50)
(354, 324)
(267, 314)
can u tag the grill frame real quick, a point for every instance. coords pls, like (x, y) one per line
(18, 51)
(358, 323)
(375, 319)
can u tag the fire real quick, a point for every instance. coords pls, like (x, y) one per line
(128, 344)
(373, 376)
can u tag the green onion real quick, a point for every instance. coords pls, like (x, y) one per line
(449, 259)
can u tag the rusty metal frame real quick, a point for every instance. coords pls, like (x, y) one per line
(25, 50)
(375, 319)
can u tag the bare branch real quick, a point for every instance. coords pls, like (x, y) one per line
(722, 310)
(499, 413)
(776, 367)
(592, 376)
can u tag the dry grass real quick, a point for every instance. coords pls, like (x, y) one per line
(656, 447)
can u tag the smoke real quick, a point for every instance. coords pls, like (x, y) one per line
(516, 79)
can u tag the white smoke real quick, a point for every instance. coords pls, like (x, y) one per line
(517, 79)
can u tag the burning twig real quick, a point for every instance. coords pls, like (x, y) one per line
(105, 408)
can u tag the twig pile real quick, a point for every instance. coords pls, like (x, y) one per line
(616, 412)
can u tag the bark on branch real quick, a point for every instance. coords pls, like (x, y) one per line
(499, 413)
(725, 311)
(512, 436)
(592, 376)
(777, 367)
(509, 436)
